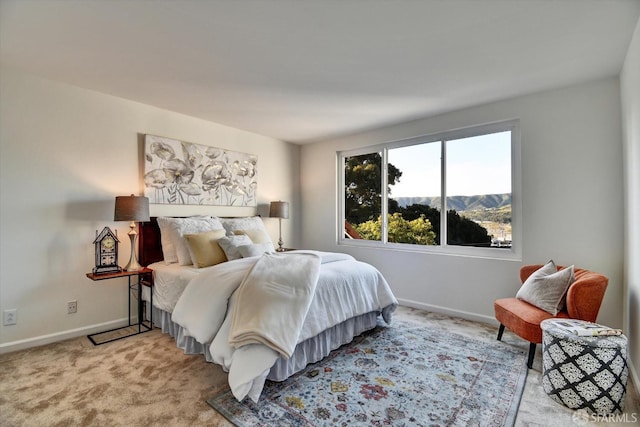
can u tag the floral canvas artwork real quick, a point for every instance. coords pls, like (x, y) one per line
(183, 173)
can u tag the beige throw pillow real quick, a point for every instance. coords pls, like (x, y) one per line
(256, 236)
(256, 249)
(546, 287)
(204, 248)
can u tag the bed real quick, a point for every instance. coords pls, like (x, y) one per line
(199, 306)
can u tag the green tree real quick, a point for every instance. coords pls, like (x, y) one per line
(363, 186)
(463, 231)
(416, 211)
(417, 231)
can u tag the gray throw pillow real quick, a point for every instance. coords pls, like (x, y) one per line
(231, 245)
(546, 287)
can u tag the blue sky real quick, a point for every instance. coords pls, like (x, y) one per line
(476, 165)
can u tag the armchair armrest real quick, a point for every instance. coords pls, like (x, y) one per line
(585, 295)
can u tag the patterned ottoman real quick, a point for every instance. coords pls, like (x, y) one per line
(584, 372)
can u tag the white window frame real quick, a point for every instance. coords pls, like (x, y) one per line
(513, 253)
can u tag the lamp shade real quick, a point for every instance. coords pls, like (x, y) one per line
(131, 208)
(279, 210)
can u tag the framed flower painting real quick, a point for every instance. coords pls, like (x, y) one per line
(183, 173)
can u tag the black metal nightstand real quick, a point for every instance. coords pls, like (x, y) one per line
(145, 278)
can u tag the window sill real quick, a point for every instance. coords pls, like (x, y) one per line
(506, 254)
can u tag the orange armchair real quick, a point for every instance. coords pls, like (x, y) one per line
(584, 298)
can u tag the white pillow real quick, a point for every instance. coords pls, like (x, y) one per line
(256, 249)
(242, 223)
(177, 227)
(546, 287)
(168, 248)
(231, 244)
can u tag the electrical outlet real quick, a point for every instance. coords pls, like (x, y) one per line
(10, 317)
(72, 307)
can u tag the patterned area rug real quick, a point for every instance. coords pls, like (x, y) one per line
(397, 375)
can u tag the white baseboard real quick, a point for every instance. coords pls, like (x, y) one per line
(61, 336)
(448, 311)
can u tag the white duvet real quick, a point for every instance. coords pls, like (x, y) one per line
(278, 289)
(345, 288)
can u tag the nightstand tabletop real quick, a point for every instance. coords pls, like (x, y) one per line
(104, 276)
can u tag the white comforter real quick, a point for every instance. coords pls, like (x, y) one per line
(278, 289)
(345, 288)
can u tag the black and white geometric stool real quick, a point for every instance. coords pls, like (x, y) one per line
(584, 372)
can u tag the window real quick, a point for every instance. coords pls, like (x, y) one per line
(363, 190)
(451, 192)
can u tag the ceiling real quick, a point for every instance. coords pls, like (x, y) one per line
(307, 70)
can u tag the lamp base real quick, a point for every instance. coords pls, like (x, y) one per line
(133, 264)
(280, 242)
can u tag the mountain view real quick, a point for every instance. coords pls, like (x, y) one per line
(460, 203)
(492, 211)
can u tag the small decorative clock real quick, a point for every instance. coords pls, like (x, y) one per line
(106, 246)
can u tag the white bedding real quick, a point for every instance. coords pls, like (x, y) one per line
(345, 288)
(279, 289)
(169, 281)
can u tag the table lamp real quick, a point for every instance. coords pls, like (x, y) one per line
(279, 210)
(134, 209)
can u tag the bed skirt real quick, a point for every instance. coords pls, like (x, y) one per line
(308, 351)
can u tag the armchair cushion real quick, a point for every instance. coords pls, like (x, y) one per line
(522, 318)
(546, 287)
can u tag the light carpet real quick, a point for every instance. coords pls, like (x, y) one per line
(403, 374)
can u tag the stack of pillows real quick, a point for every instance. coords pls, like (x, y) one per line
(547, 287)
(206, 240)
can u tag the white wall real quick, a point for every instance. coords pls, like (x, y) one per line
(571, 198)
(65, 154)
(630, 94)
